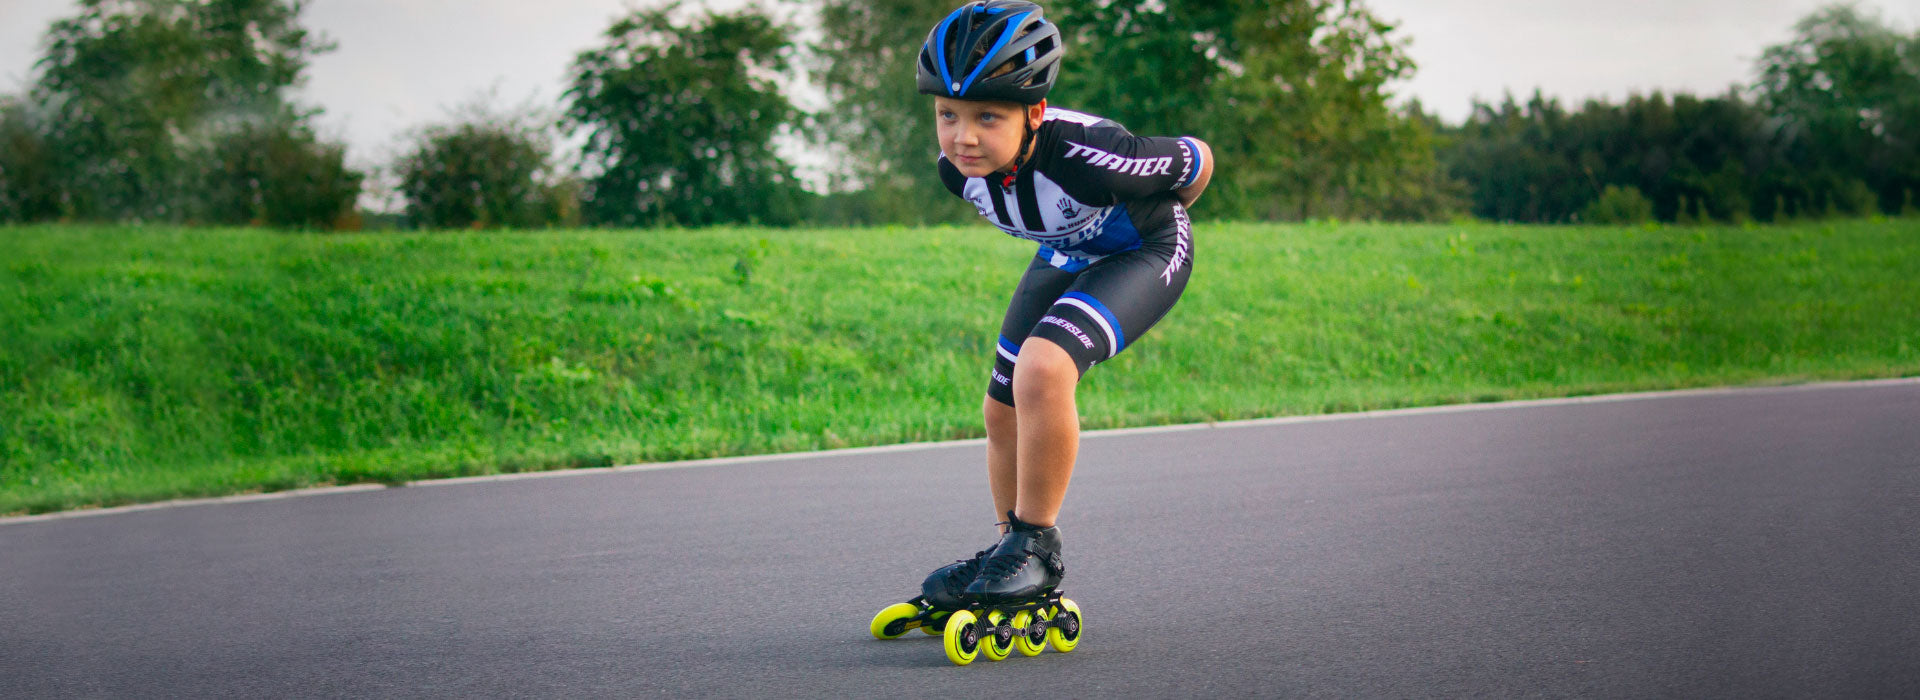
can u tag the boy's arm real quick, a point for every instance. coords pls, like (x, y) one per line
(1190, 193)
(1103, 166)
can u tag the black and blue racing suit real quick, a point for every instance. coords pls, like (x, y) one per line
(1116, 247)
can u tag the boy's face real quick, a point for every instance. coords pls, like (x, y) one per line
(981, 138)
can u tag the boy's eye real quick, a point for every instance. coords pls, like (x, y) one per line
(947, 116)
(989, 117)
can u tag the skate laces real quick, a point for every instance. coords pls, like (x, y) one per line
(1001, 566)
(968, 569)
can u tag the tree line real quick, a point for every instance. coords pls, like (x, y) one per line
(178, 110)
(1831, 128)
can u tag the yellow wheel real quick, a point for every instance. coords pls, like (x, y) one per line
(962, 638)
(996, 645)
(936, 623)
(1029, 643)
(893, 621)
(1065, 635)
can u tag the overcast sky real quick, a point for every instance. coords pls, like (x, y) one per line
(402, 64)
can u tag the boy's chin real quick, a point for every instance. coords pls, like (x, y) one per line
(981, 170)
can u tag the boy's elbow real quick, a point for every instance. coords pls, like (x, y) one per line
(1206, 162)
(1203, 154)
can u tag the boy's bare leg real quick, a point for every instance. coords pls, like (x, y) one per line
(1002, 440)
(1047, 432)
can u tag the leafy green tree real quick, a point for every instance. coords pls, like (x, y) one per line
(1293, 96)
(484, 170)
(1507, 155)
(141, 94)
(879, 122)
(1832, 131)
(1142, 65)
(680, 121)
(1846, 92)
(1539, 162)
(1303, 114)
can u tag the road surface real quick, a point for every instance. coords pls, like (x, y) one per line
(1745, 543)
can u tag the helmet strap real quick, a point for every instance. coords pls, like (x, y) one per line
(1026, 141)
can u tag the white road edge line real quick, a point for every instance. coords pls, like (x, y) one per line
(915, 446)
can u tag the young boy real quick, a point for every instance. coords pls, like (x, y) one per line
(1109, 211)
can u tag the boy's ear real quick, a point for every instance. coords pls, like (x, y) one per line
(1036, 113)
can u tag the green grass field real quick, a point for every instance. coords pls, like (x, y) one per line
(150, 363)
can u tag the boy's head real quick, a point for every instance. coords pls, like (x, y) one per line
(989, 66)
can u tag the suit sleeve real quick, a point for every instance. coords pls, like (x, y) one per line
(1109, 165)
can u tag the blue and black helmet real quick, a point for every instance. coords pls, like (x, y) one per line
(976, 40)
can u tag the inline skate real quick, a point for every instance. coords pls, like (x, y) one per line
(1013, 601)
(940, 595)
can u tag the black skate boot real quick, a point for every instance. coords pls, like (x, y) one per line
(944, 588)
(1025, 565)
(940, 595)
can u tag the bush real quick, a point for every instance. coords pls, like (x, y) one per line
(1619, 205)
(276, 173)
(1853, 198)
(560, 202)
(894, 204)
(29, 189)
(481, 173)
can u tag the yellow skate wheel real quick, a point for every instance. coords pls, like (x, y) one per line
(893, 620)
(936, 623)
(1065, 634)
(1029, 643)
(998, 644)
(962, 638)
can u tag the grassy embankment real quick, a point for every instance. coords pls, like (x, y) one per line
(144, 364)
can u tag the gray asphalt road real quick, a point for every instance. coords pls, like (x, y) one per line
(1760, 543)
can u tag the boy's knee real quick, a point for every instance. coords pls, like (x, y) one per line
(1044, 368)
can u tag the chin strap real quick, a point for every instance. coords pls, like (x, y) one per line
(1026, 140)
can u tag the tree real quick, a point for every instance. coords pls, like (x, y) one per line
(1539, 162)
(1846, 93)
(1116, 49)
(1292, 95)
(680, 119)
(865, 61)
(1303, 107)
(1831, 131)
(140, 93)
